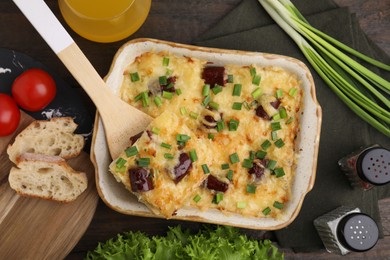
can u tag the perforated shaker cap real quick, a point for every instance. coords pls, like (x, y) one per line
(358, 232)
(374, 166)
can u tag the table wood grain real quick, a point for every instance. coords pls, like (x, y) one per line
(180, 21)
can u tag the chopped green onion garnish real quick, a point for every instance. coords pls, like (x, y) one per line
(276, 117)
(205, 169)
(197, 198)
(282, 112)
(183, 111)
(182, 137)
(206, 100)
(275, 126)
(145, 99)
(278, 205)
(251, 188)
(234, 158)
(170, 85)
(178, 91)
(279, 93)
(165, 145)
(210, 136)
(169, 72)
(266, 144)
(206, 90)
(266, 211)
(290, 120)
(229, 175)
(253, 71)
(131, 151)
(279, 172)
(237, 90)
(155, 130)
(163, 80)
(217, 89)
(279, 143)
(168, 156)
(225, 166)
(138, 97)
(214, 105)
(165, 61)
(252, 155)
(230, 78)
(247, 105)
(271, 164)
(256, 93)
(120, 162)
(193, 155)
(220, 125)
(233, 125)
(134, 77)
(121, 170)
(143, 162)
(241, 205)
(293, 92)
(157, 101)
(237, 106)
(218, 198)
(167, 95)
(261, 154)
(247, 163)
(274, 135)
(256, 80)
(194, 115)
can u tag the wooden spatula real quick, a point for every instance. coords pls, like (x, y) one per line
(120, 120)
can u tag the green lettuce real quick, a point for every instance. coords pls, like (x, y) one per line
(217, 243)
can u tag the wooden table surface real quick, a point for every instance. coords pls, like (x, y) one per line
(181, 21)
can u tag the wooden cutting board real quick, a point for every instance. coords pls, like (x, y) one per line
(32, 228)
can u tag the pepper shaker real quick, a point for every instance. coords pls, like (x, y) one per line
(346, 229)
(367, 167)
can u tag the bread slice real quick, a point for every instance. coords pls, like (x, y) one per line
(54, 137)
(46, 177)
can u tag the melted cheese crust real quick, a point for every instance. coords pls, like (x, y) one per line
(251, 133)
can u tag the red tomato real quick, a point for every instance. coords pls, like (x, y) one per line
(9, 115)
(34, 89)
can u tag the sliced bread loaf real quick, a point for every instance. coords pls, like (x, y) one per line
(54, 137)
(47, 177)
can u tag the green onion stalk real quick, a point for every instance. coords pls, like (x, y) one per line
(363, 91)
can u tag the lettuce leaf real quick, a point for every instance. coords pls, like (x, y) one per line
(210, 243)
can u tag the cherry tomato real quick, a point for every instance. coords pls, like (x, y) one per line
(34, 89)
(9, 115)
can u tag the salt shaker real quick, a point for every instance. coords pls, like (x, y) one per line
(346, 229)
(367, 167)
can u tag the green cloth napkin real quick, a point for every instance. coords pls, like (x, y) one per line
(248, 27)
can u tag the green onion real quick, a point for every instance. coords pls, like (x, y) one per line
(290, 120)
(210, 136)
(218, 198)
(131, 151)
(237, 106)
(247, 163)
(363, 91)
(205, 169)
(266, 144)
(163, 80)
(266, 211)
(214, 105)
(234, 158)
(217, 89)
(182, 137)
(293, 92)
(197, 198)
(279, 93)
(121, 169)
(274, 135)
(170, 85)
(157, 101)
(193, 155)
(237, 90)
(165, 145)
(261, 154)
(134, 77)
(256, 93)
(275, 126)
(183, 111)
(120, 162)
(246, 105)
(167, 95)
(206, 90)
(278, 205)
(256, 80)
(155, 130)
(206, 100)
(178, 91)
(241, 205)
(279, 143)
(251, 188)
(230, 78)
(252, 155)
(138, 97)
(276, 117)
(233, 125)
(194, 115)
(145, 99)
(271, 164)
(279, 172)
(143, 162)
(165, 61)
(220, 125)
(169, 72)
(168, 156)
(253, 71)
(229, 175)
(282, 112)
(225, 166)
